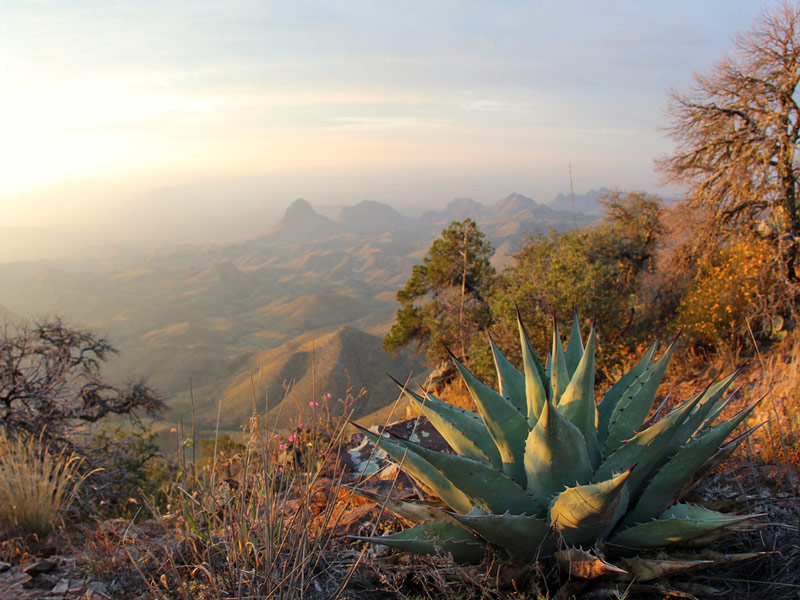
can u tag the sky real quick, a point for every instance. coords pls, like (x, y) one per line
(413, 102)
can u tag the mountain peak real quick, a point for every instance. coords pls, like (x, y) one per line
(464, 204)
(584, 203)
(369, 215)
(299, 209)
(301, 222)
(514, 203)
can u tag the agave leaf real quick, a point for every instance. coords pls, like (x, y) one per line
(632, 408)
(646, 448)
(555, 455)
(717, 409)
(421, 470)
(485, 486)
(559, 377)
(586, 513)
(697, 513)
(536, 379)
(511, 380)
(615, 392)
(464, 430)
(577, 402)
(523, 536)
(574, 350)
(648, 569)
(507, 426)
(659, 493)
(436, 538)
(699, 416)
(721, 455)
(678, 524)
(584, 564)
(416, 511)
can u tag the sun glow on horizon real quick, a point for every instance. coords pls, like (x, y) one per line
(130, 91)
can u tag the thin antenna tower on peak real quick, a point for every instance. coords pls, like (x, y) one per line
(572, 196)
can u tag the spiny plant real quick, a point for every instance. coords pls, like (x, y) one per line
(542, 461)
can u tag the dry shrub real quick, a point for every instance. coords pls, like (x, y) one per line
(725, 293)
(776, 378)
(36, 486)
(256, 521)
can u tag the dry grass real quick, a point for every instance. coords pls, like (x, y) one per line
(255, 522)
(261, 519)
(36, 486)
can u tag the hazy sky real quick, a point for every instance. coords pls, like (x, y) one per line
(349, 99)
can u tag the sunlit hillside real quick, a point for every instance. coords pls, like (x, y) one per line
(215, 314)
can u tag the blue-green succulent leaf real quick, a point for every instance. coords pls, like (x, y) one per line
(559, 377)
(709, 398)
(659, 492)
(588, 513)
(524, 537)
(484, 485)
(511, 380)
(488, 488)
(536, 381)
(463, 429)
(574, 350)
(612, 397)
(555, 456)
(678, 524)
(422, 470)
(632, 408)
(646, 448)
(507, 426)
(577, 402)
(436, 538)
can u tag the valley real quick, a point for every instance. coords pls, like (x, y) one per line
(297, 310)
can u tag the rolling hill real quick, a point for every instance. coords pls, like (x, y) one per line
(205, 317)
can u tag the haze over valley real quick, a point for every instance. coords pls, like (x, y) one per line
(150, 155)
(305, 302)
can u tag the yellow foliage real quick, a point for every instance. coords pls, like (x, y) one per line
(722, 295)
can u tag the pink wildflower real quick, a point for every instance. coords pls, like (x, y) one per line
(281, 447)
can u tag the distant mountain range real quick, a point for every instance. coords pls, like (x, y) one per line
(308, 299)
(583, 203)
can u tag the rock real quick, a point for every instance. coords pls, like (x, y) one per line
(46, 580)
(96, 590)
(62, 587)
(40, 566)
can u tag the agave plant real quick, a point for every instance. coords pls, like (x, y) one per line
(542, 463)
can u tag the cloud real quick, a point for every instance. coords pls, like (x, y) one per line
(92, 86)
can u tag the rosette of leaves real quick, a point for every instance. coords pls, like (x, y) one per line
(542, 463)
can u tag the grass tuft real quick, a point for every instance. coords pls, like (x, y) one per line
(36, 486)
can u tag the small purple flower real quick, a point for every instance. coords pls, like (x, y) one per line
(329, 395)
(281, 446)
(291, 438)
